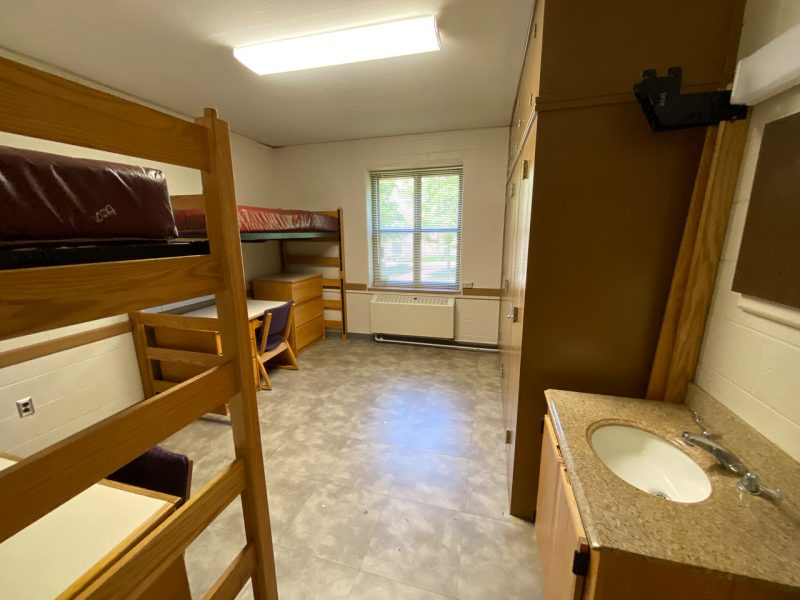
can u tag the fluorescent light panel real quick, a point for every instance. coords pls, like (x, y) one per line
(398, 38)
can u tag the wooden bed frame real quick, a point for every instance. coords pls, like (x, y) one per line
(285, 238)
(40, 105)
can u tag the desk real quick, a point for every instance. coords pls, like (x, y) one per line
(73, 545)
(255, 309)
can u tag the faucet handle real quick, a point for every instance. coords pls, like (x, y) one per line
(751, 484)
(706, 434)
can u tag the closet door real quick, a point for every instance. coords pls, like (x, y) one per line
(509, 360)
(515, 266)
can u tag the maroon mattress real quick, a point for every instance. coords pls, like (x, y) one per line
(53, 198)
(254, 219)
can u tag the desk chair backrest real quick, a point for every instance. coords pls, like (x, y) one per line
(277, 322)
(160, 470)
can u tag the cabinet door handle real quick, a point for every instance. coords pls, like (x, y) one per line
(513, 314)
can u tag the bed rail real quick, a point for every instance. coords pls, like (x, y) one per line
(41, 105)
(47, 479)
(49, 297)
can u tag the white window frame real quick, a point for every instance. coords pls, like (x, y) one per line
(376, 231)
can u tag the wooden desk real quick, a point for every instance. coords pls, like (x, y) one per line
(70, 547)
(255, 309)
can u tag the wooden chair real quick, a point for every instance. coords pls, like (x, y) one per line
(272, 340)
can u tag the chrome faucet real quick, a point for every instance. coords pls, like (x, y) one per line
(725, 457)
(751, 484)
(706, 433)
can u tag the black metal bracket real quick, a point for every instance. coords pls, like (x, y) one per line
(580, 563)
(666, 108)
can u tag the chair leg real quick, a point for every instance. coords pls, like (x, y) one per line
(292, 359)
(264, 374)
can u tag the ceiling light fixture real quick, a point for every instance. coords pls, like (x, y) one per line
(397, 38)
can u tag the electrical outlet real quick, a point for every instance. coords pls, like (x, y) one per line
(25, 407)
(467, 285)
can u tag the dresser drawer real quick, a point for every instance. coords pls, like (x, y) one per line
(276, 289)
(306, 289)
(306, 311)
(310, 332)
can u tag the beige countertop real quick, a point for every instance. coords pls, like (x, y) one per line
(730, 532)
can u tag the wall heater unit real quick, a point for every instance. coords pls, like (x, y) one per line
(416, 316)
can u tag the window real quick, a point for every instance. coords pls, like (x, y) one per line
(416, 228)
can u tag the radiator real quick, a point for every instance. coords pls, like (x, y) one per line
(417, 316)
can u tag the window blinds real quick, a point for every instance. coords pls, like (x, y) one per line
(416, 228)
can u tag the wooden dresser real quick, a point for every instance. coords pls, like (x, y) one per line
(306, 291)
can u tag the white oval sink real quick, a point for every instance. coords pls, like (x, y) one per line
(651, 464)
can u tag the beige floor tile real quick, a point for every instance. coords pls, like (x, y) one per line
(499, 559)
(305, 454)
(365, 466)
(373, 587)
(303, 577)
(214, 549)
(488, 442)
(335, 523)
(417, 431)
(418, 545)
(433, 479)
(286, 495)
(486, 490)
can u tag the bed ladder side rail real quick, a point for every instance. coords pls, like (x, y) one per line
(45, 298)
(342, 276)
(141, 567)
(232, 580)
(222, 224)
(45, 480)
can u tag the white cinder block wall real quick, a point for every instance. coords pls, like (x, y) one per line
(336, 174)
(748, 362)
(78, 387)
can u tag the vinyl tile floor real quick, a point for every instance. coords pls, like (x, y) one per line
(386, 478)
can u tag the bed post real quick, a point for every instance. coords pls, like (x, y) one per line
(342, 284)
(223, 235)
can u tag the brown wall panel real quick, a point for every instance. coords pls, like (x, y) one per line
(609, 202)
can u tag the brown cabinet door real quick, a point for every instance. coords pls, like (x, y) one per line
(512, 307)
(559, 530)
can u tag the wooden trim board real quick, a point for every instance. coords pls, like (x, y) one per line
(680, 277)
(713, 224)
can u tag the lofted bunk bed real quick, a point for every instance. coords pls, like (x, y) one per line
(292, 229)
(55, 278)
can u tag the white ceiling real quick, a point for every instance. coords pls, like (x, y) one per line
(177, 54)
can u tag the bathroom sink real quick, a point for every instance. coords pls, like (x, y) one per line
(650, 463)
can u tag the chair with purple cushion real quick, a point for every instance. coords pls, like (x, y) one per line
(160, 470)
(272, 340)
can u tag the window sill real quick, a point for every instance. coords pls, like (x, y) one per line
(415, 291)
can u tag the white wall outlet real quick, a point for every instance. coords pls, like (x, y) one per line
(25, 407)
(467, 285)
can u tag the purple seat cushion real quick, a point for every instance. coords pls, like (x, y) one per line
(273, 341)
(277, 325)
(157, 469)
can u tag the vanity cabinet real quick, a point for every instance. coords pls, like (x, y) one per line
(657, 554)
(563, 549)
